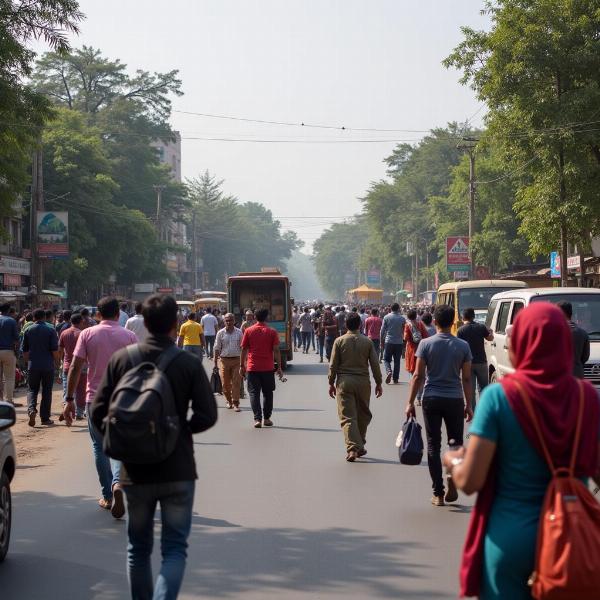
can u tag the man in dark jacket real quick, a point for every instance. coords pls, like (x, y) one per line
(172, 481)
(581, 341)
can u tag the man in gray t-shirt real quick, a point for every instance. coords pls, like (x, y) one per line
(446, 362)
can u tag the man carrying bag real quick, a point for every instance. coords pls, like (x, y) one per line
(170, 480)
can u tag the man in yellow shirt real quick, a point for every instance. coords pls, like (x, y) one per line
(191, 336)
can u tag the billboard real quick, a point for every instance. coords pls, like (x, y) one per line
(555, 265)
(373, 277)
(457, 254)
(52, 234)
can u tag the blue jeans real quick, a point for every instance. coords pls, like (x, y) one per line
(210, 344)
(109, 470)
(297, 337)
(305, 341)
(392, 351)
(321, 345)
(197, 350)
(176, 500)
(44, 379)
(329, 346)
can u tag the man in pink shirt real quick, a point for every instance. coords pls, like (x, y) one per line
(95, 347)
(373, 328)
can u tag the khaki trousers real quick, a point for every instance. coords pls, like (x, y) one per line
(8, 364)
(353, 395)
(229, 369)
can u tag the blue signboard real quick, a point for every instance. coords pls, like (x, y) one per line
(554, 264)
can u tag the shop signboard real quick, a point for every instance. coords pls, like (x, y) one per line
(52, 234)
(17, 266)
(555, 265)
(11, 280)
(457, 254)
(144, 288)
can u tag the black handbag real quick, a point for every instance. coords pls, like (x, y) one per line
(215, 382)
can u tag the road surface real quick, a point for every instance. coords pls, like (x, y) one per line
(278, 513)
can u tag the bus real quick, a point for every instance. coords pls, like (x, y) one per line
(473, 294)
(265, 289)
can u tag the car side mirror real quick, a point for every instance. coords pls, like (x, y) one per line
(8, 415)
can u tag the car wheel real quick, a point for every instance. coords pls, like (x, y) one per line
(493, 377)
(5, 515)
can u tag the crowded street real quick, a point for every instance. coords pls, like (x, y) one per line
(278, 513)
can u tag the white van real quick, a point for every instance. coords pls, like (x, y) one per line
(505, 306)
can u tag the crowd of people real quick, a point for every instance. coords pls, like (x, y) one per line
(509, 461)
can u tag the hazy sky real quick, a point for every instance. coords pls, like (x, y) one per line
(352, 63)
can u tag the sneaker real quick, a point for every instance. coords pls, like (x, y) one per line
(237, 409)
(48, 422)
(268, 423)
(388, 378)
(32, 419)
(437, 500)
(117, 509)
(257, 424)
(229, 405)
(451, 493)
(362, 452)
(351, 456)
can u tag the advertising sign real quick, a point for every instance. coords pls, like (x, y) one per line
(374, 277)
(555, 265)
(457, 253)
(18, 266)
(12, 280)
(573, 262)
(144, 288)
(53, 234)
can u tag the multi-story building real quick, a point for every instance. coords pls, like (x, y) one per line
(173, 230)
(15, 261)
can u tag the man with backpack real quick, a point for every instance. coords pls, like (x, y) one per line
(164, 383)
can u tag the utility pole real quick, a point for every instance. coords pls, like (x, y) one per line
(194, 252)
(37, 204)
(159, 190)
(416, 269)
(469, 147)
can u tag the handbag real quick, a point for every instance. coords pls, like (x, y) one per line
(215, 382)
(410, 451)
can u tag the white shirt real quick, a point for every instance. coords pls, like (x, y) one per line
(209, 324)
(136, 324)
(229, 344)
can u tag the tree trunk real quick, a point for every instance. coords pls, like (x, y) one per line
(562, 198)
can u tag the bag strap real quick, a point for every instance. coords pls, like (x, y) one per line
(167, 357)
(577, 428)
(536, 425)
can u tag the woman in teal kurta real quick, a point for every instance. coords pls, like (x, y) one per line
(522, 479)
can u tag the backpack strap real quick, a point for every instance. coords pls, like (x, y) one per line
(135, 356)
(167, 357)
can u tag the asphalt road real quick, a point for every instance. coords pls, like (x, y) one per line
(278, 513)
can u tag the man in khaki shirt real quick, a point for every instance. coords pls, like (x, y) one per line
(350, 384)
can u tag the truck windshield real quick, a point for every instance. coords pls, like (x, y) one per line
(477, 298)
(586, 310)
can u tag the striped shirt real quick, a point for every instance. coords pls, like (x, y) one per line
(229, 344)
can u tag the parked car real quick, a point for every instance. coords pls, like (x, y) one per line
(7, 472)
(505, 306)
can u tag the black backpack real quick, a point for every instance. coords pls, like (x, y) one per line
(142, 425)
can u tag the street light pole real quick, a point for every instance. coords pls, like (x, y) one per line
(470, 147)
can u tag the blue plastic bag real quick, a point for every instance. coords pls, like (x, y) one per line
(410, 451)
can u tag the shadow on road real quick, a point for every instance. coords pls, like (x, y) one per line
(322, 429)
(308, 369)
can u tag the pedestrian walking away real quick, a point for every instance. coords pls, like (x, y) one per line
(40, 352)
(9, 339)
(446, 396)
(306, 327)
(373, 326)
(296, 335)
(580, 339)
(392, 339)
(227, 359)
(66, 347)
(475, 334)
(319, 331)
(191, 336)
(260, 351)
(171, 482)
(95, 347)
(350, 385)
(414, 332)
(209, 325)
(136, 323)
(331, 330)
(505, 461)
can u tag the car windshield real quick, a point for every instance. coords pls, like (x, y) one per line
(586, 310)
(478, 298)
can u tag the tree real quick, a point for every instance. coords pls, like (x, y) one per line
(22, 111)
(537, 70)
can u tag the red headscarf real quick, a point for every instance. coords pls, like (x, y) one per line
(543, 353)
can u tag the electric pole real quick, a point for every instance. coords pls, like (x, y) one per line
(159, 190)
(470, 147)
(37, 204)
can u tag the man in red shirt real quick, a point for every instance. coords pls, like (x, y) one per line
(373, 328)
(260, 350)
(66, 347)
